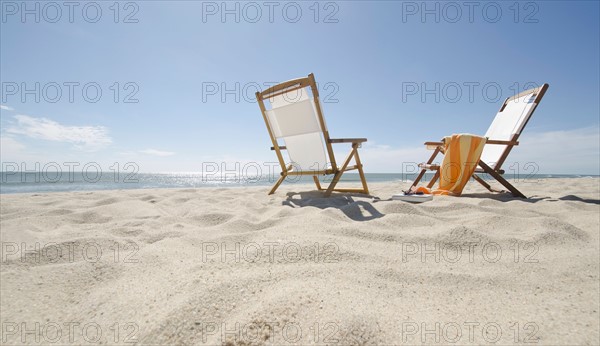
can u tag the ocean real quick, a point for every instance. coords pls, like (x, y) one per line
(33, 182)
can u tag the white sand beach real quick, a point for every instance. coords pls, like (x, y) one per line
(236, 266)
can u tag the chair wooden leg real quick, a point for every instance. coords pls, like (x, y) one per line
(279, 181)
(483, 182)
(501, 179)
(422, 173)
(339, 173)
(435, 177)
(333, 183)
(361, 173)
(316, 179)
(419, 177)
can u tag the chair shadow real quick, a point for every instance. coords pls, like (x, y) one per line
(507, 197)
(355, 210)
(504, 197)
(579, 199)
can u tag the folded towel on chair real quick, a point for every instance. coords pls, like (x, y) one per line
(461, 156)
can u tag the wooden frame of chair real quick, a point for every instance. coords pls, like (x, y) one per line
(287, 170)
(495, 172)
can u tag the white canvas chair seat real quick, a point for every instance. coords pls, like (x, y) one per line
(307, 152)
(509, 121)
(295, 118)
(502, 136)
(297, 124)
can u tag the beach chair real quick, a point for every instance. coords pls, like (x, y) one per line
(295, 117)
(502, 136)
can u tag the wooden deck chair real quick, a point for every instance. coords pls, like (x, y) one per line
(502, 136)
(295, 117)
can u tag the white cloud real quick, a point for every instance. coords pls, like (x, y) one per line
(12, 150)
(88, 138)
(155, 152)
(386, 159)
(574, 151)
(9, 147)
(6, 108)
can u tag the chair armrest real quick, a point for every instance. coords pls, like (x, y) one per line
(281, 147)
(429, 166)
(347, 140)
(494, 141)
(433, 145)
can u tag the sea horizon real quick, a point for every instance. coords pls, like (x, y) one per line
(70, 181)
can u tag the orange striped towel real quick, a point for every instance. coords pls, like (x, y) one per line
(461, 156)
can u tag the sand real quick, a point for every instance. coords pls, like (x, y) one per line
(235, 266)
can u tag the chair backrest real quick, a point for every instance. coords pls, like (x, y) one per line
(509, 124)
(295, 117)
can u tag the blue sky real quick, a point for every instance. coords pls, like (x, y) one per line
(177, 79)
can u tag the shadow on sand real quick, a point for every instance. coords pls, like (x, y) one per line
(579, 199)
(355, 210)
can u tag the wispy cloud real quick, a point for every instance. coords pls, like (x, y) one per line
(385, 159)
(6, 108)
(89, 138)
(155, 152)
(9, 145)
(566, 151)
(575, 151)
